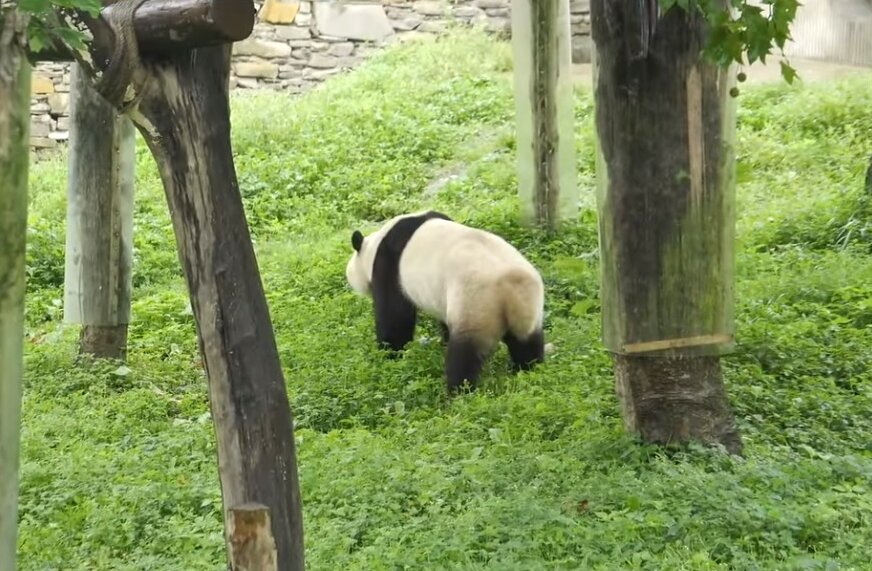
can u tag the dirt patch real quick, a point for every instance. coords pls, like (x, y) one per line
(475, 149)
(450, 174)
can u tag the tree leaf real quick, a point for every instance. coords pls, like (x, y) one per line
(788, 72)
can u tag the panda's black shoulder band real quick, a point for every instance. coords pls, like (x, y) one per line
(395, 314)
(394, 242)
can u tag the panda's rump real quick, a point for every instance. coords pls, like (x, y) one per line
(472, 280)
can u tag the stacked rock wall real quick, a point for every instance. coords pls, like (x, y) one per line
(297, 44)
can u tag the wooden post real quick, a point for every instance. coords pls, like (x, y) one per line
(184, 118)
(167, 26)
(14, 157)
(252, 547)
(665, 123)
(544, 108)
(99, 249)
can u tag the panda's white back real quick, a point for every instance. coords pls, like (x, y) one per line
(446, 261)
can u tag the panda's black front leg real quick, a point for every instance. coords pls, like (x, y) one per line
(395, 320)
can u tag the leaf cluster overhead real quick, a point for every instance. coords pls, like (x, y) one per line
(49, 22)
(743, 32)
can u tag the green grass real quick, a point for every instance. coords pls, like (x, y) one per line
(533, 472)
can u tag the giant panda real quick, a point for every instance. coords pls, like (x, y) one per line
(476, 284)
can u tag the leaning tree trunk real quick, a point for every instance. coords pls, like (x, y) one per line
(184, 118)
(14, 156)
(99, 252)
(665, 122)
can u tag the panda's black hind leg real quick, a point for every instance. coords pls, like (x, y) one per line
(463, 363)
(446, 334)
(526, 353)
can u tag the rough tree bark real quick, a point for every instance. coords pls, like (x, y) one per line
(14, 156)
(665, 121)
(184, 118)
(99, 249)
(544, 108)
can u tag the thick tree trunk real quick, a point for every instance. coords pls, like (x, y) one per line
(14, 156)
(675, 399)
(544, 107)
(99, 250)
(665, 123)
(184, 117)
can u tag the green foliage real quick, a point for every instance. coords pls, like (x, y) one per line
(814, 199)
(288, 161)
(742, 31)
(534, 472)
(49, 22)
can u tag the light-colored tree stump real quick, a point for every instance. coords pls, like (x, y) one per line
(14, 157)
(99, 249)
(544, 108)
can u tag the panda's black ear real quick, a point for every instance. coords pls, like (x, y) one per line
(356, 240)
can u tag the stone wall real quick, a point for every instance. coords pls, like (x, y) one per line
(297, 44)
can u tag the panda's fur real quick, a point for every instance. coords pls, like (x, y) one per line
(476, 284)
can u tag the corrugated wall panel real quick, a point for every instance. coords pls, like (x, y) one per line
(838, 31)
